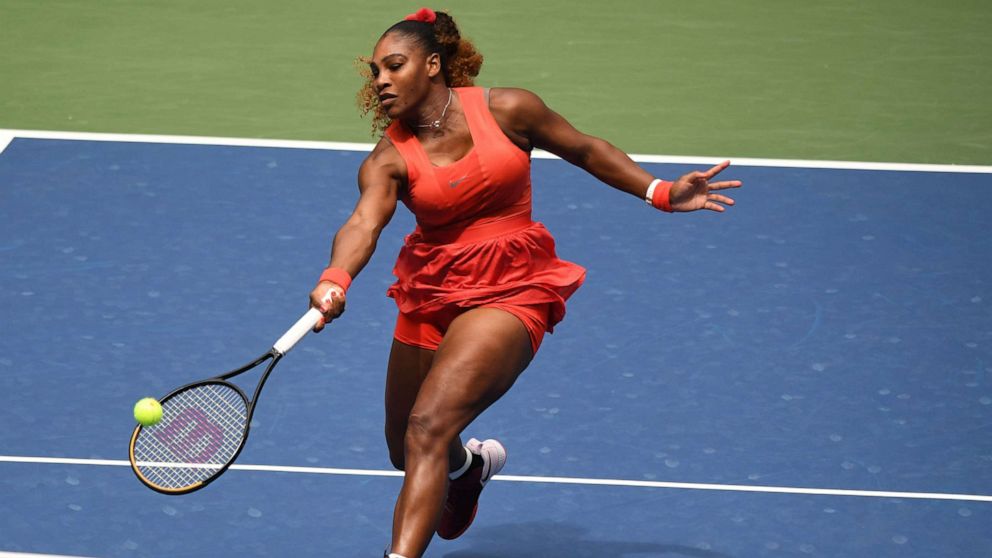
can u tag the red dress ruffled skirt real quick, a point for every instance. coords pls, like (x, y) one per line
(475, 244)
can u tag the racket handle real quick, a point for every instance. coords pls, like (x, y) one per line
(298, 331)
(300, 328)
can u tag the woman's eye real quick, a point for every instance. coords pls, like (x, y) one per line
(394, 67)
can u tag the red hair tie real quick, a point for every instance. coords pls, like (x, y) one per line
(425, 15)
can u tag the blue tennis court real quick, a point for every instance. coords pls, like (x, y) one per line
(832, 332)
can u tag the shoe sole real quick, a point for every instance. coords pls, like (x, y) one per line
(465, 528)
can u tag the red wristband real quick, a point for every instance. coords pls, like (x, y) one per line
(337, 275)
(660, 198)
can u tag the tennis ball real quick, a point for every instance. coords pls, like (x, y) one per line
(148, 411)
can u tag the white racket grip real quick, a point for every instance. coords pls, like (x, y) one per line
(300, 328)
(298, 331)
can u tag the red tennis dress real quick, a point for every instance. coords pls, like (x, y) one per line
(475, 244)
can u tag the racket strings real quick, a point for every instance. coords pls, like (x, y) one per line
(200, 432)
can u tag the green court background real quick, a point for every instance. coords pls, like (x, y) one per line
(884, 80)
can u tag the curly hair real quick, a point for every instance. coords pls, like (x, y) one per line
(460, 61)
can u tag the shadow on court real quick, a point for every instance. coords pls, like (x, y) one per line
(558, 540)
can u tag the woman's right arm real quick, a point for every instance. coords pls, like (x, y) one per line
(379, 180)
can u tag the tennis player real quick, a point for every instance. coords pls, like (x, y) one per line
(478, 282)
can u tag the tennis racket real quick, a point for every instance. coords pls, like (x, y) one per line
(205, 424)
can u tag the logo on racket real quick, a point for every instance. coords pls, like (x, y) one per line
(191, 436)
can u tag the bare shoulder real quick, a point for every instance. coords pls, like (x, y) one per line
(527, 120)
(382, 164)
(517, 111)
(384, 153)
(513, 102)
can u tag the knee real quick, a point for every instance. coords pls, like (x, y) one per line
(420, 434)
(425, 433)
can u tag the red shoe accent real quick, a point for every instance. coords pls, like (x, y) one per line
(462, 502)
(461, 505)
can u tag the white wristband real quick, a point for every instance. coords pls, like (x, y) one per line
(649, 195)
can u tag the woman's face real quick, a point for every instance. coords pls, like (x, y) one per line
(402, 74)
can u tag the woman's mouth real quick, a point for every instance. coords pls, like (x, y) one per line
(386, 100)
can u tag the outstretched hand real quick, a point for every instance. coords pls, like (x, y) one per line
(694, 191)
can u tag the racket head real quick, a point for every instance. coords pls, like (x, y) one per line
(204, 426)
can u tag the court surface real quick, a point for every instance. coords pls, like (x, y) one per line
(831, 334)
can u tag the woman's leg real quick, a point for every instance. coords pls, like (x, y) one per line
(482, 354)
(406, 371)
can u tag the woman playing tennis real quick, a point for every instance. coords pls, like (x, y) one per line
(478, 282)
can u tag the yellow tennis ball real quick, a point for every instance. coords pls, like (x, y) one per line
(148, 411)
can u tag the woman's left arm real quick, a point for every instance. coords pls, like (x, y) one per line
(527, 120)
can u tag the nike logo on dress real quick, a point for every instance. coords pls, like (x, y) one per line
(455, 183)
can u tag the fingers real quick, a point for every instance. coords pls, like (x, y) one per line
(720, 199)
(715, 170)
(329, 298)
(330, 311)
(725, 184)
(333, 291)
(713, 202)
(695, 176)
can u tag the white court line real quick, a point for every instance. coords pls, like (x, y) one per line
(548, 480)
(538, 154)
(189, 140)
(5, 140)
(26, 555)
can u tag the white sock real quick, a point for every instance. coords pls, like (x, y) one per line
(461, 470)
(394, 555)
